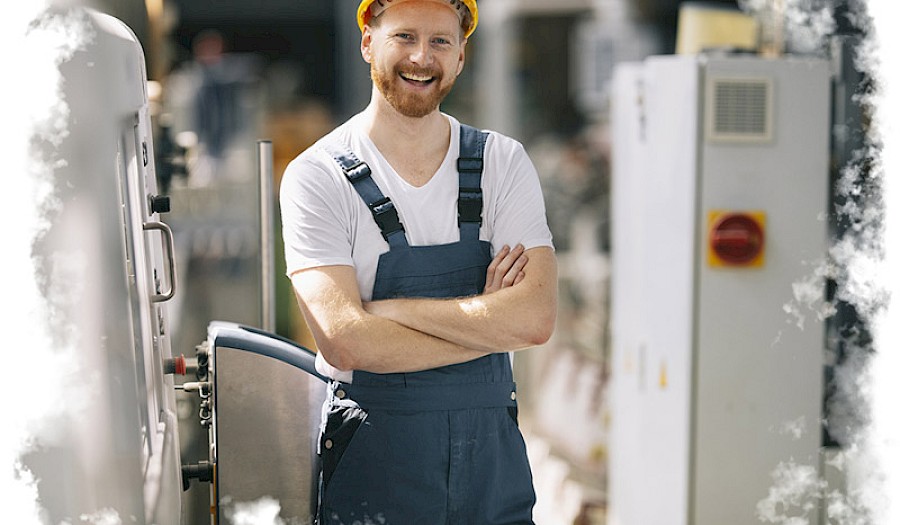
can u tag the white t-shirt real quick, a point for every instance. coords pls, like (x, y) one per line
(325, 222)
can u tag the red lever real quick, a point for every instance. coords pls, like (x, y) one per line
(737, 238)
(175, 365)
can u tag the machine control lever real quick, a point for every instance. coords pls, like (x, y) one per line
(202, 387)
(202, 471)
(182, 366)
(160, 204)
(175, 365)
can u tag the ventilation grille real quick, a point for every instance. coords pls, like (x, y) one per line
(740, 110)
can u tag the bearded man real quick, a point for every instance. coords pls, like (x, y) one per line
(420, 255)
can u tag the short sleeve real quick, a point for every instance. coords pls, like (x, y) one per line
(315, 218)
(519, 214)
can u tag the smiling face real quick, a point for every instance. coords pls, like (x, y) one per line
(416, 50)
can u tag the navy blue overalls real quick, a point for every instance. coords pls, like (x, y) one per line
(440, 446)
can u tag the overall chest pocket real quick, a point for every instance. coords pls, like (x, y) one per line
(442, 271)
(461, 282)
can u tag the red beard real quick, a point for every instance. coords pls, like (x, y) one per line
(405, 99)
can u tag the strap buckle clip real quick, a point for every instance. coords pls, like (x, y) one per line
(386, 216)
(357, 172)
(471, 203)
(470, 165)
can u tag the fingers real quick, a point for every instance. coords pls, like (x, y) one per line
(506, 268)
(492, 280)
(515, 274)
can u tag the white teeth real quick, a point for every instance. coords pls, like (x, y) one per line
(417, 78)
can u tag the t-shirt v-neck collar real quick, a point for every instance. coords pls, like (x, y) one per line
(454, 139)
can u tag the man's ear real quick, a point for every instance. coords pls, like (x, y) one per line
(462, 57)
(365, 44)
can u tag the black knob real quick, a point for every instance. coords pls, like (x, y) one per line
(203, 471)
(160, 204)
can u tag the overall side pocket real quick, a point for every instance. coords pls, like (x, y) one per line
(514, 414)
(340, 427)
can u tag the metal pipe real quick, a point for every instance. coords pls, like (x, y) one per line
(267, 235)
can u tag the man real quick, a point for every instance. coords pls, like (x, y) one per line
(390, 223)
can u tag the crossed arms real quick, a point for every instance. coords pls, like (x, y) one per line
(517, 310)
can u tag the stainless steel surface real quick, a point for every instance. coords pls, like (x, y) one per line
(266, 417)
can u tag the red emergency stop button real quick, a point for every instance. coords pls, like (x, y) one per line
(736, 239)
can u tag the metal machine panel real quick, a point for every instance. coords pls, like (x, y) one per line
(625, 291)
(759, 375)
(266, 450)
(653, 207)
(268, 453)
(710, 377)
(108, 267)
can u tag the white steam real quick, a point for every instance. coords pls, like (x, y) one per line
(864, 264)
(28, 339)
(807, 24)
(40, 361)
(101, 517)
(807, 296)
(793, 496)
(264, 511)
(879, 441)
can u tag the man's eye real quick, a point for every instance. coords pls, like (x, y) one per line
(441, 41)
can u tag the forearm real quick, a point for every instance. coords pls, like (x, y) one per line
(510, 319)
(378, 345)
(352, 339)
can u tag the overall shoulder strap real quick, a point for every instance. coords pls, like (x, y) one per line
(360, 176)
(470, 166)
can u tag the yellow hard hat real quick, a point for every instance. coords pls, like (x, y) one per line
(363, 14)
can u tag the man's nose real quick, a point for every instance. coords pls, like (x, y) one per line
(421, 54)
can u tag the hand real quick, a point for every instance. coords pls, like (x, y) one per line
(506, 269)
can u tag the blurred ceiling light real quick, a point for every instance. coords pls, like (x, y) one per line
(154, 90)
(186, 139)
(154, 9)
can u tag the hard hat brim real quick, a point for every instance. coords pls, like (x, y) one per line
(362, 11)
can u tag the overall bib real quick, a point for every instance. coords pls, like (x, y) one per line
(440, 446)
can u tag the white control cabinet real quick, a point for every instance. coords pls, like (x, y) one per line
(720, 190)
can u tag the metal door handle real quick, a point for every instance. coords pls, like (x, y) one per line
(170, 255)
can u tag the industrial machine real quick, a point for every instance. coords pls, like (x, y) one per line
(108, 259)
(720, 189)
(224, 337)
